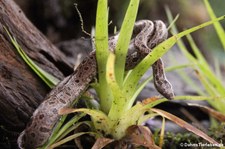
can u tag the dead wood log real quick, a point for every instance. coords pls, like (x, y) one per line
(21, 90)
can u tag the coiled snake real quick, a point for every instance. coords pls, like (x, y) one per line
(146, 35)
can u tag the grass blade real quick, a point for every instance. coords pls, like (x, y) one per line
(135, 75)
(99, 119)
(218, 27)
(49, 79)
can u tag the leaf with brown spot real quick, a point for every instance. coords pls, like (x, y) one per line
(184, 124)
(149, 100)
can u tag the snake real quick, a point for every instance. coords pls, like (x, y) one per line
(146, 35)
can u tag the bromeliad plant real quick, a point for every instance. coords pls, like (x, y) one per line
(117, 90)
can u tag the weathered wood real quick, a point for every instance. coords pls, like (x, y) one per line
(21, 91)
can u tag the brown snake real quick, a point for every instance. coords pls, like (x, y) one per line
(146, 35)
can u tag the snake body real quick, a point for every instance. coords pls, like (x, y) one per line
(146, 35)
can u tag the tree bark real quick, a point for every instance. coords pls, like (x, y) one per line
(21, 90)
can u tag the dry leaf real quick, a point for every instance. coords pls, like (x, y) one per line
(149, 100)
(184, 124)
(219, 116)
(64, 111)
(140, 136)
(101, 142)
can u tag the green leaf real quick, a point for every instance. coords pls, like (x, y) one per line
(102, 52)
(189, 81)
(218, 27)
(135, 75)
(72, 137)
(205, 68)
(132, 116)
(119, 99)
(49, 79)
(99, 119)
(62, 130)
(124, 40)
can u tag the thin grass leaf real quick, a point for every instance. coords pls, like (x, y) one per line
(141, 86)
(218, 27)
(162, 133)
(124, 40)
(211, 90)
(175, 31)
(182, 73)
(74, 136)
(144, 118)
(172, 22)
(185, 76)
(49, 79)
(198, 97)
(59, 131)
(100, 120)
(73, 128)
(205, 68)
(200, 62)
(184, 124)
(196, 50)
(217, 84)
(217, 69)
(135, 75)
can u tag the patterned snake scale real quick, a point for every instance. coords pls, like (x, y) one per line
(146, 35)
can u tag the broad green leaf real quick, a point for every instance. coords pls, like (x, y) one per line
(102, 52)
(132, 116)
(49, 79)
(124, 40)
(119, 99)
